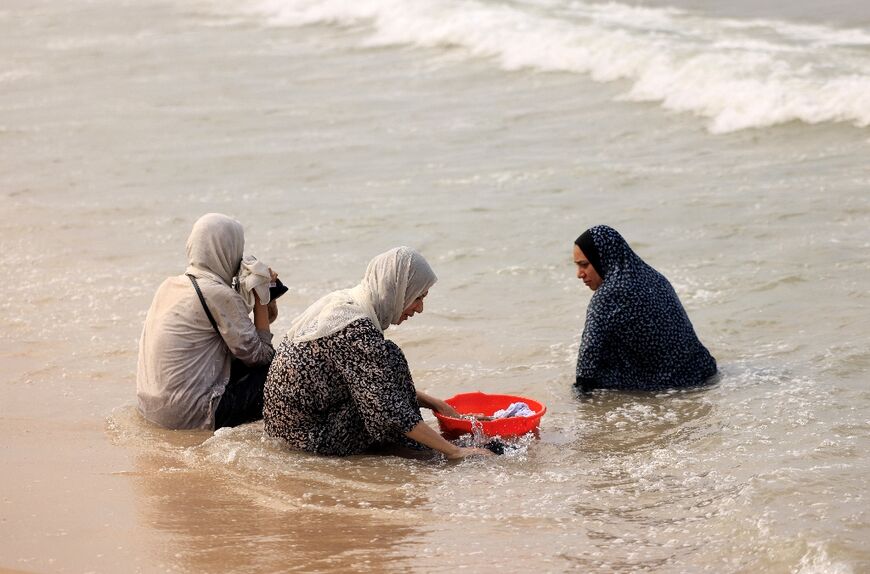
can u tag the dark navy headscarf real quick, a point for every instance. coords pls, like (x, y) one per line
(637, 334)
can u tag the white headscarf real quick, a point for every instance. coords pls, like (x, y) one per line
(215, 247)
(393, 280)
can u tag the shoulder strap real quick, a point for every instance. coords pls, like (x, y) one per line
(204, 306)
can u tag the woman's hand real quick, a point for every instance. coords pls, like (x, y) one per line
(446, 410)
(466, 452)
(426, 435)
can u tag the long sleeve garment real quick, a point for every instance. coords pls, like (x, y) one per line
(340, 394)
(637, 334)
(184, 365)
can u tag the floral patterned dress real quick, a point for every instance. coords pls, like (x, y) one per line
(340, 394)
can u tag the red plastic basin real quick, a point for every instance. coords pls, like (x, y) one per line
(482, 403)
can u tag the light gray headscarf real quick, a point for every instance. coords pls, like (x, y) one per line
(391, 283)
(215, 247)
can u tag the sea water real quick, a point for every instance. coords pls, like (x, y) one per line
(729, 144)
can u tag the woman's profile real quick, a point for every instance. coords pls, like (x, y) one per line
(337, 386)
(637, 334)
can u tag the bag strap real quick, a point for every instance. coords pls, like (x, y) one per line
(204, 306)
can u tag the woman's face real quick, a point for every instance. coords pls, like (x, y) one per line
(585, 271)
(415, 307)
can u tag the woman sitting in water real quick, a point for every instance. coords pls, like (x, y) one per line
(197, 324)
(337, 386)
(637, 334)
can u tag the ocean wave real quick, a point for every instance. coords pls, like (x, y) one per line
(738, 74)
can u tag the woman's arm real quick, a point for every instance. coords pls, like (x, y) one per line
(431, 403)
(248, 341)
(261, 315)
(426, 435)
(273, 310)
(377, 380)
(383, 395)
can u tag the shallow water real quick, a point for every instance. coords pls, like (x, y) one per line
(373, 126)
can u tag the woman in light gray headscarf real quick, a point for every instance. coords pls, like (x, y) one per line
(197, 325)
(337, 386)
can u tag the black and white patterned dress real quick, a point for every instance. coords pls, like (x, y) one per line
(637, 334)
(340, 394)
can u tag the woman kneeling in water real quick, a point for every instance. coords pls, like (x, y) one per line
(202, 360)
(637, 335)
(337, 386)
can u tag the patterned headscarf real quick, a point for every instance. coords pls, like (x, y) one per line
(637, 334)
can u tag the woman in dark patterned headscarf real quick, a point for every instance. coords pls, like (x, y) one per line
(637, 334)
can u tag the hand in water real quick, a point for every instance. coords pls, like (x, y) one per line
(464, 452)
(476, 417)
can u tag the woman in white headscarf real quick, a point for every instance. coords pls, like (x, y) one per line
(197, 325)
(337, 386)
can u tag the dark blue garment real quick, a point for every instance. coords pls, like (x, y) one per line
(637, 334)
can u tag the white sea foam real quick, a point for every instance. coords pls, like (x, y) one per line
(737, 73)
(817, 561)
